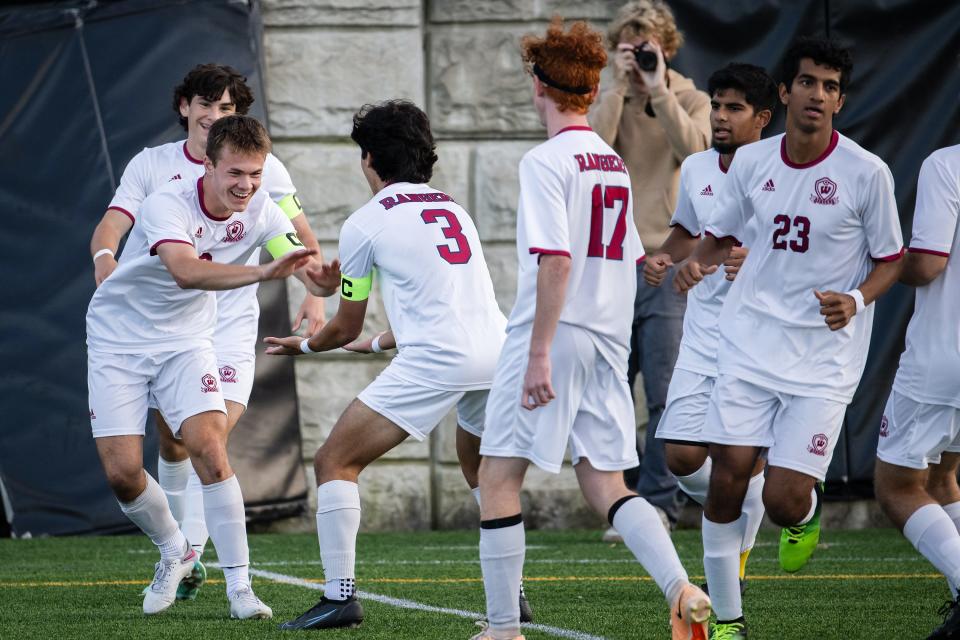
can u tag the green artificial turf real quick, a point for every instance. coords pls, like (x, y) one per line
(860, 584)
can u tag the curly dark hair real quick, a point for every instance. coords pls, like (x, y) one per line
(756, 85)
(822, 51)
(397, 133)
(209, 81)
(244, 134)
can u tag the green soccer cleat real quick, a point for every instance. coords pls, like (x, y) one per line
(735, 630)
(189, 587)
(797, 543)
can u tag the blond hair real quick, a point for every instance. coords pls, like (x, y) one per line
(646, 18)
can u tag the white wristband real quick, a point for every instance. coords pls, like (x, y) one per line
(857, 295)
(102, 252)
(375, 344)
(305, 346)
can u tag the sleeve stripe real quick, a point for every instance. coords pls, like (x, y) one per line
(890, 258)
(942, 254)
(549, 252)
(641, 259)
(153, 249)
(713, 235)
(124, 212)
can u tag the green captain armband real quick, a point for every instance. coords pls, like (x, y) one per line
(282, 245)
(290, 205)
(356, 289)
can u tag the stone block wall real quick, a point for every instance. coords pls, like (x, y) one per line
(460, 60)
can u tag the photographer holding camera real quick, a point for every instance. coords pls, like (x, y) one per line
(654, 118)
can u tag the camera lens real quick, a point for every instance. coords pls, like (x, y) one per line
(646, 60)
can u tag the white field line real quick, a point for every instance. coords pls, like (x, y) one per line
(559, 561)
(418, 606)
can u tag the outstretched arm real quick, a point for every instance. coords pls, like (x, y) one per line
(385, 341)
(344, 328)
(190, 272)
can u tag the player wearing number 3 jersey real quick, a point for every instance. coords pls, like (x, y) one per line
(562, 377)
(795, 328)
(443, 315)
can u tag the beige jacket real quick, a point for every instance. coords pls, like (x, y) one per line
(653, 148)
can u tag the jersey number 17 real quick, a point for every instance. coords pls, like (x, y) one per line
(603, 199)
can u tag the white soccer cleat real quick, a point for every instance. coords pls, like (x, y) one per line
(162, 592)
(244, 605)
(486, 633)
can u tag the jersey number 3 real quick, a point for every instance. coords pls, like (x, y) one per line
(604, 199)
(453, 231)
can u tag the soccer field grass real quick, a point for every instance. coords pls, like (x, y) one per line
(860, 584)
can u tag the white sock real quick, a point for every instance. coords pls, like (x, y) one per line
(237, 578)
(194, 523)
(813, 508)
(172, 477)
(721, 563)
(753, 509)
(640, 526)
(502, 551)
(338, 521)
(953, 510)
(476, 495)
(151, 513)
(935, 536)
(696, 484)
(223, 508)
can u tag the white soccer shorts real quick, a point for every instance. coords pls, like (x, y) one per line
(687, 399)
(418, 409)
(119, 385)
(593, 410)
(800, 432)
(914, 434)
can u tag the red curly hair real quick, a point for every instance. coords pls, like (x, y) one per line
(572, 59)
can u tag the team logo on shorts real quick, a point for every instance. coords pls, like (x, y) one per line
(235, 232)
(818, 445)
(824, 192)
(884, 427)
(228, 374)
(209, 383)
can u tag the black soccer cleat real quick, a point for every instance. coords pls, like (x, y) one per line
(526, 613)
(950, 629)
(329, 614)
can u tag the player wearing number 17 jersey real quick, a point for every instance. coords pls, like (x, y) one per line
(443, 315)
(795, 328)
(561, 379)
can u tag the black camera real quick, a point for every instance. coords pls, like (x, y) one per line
(646, 59)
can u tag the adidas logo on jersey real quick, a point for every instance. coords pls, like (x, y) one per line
(707, 191)
(768, 186)
(176, 177)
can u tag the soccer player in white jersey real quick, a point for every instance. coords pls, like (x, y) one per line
(921, 421)
(208, 92)
(150, 332)
(743, 98)
(443, 316)
(795, 327)
(561, 379)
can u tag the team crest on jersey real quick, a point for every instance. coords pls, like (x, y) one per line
(818, 445)
(824, 192)
(235, 232)
(228, 374)
(209, 384)
(884, 427)
(707, 191)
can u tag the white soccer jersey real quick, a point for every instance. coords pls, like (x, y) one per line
(575, 200)
(930, 366)
(702, 177)
(155, 167)
(140, 308)
(435, 284)
(819, 225)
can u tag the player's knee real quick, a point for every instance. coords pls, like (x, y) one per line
(126, 481)
(683, 463)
